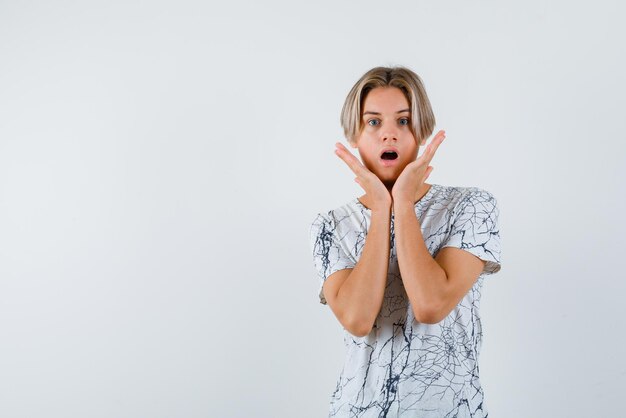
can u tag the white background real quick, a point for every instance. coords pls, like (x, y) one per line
(161, 163)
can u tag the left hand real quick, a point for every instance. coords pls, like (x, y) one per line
(416, 172)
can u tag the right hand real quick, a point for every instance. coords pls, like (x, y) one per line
(376, 191)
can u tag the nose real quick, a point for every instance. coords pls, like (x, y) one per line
(389, 134)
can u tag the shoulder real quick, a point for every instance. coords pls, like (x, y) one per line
(351, 209)
(478, 201)
(459, 196)
(341, 217)
(475, 208)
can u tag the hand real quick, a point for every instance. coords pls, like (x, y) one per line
(416, 172)
(374, 188)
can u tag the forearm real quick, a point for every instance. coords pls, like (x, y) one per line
(423, 278)
(362, 292)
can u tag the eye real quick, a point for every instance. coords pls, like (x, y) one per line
(404, 121)
(373, 122)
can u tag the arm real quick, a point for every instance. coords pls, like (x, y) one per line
(434, 286)
(356, 295)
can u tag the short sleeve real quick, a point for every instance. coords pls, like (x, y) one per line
(329, 254)
(474, 228)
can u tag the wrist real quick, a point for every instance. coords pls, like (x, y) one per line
(383, 208)
(402, 207)
(400, 196)
(403, 202)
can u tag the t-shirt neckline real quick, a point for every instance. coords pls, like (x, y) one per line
(430, 191)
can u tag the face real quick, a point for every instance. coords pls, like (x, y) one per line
(386, 119)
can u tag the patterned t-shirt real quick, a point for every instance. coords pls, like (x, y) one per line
(405, 368)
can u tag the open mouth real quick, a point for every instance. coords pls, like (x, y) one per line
(389, 155)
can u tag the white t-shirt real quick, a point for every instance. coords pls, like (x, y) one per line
(404, 368)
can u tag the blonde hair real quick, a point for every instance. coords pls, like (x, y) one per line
(422, 117)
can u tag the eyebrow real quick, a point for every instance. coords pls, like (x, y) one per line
(377, 113)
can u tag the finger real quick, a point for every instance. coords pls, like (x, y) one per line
(434, 145)
(353, 163)
(437, 140)
(428, 171)
(347, 157)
